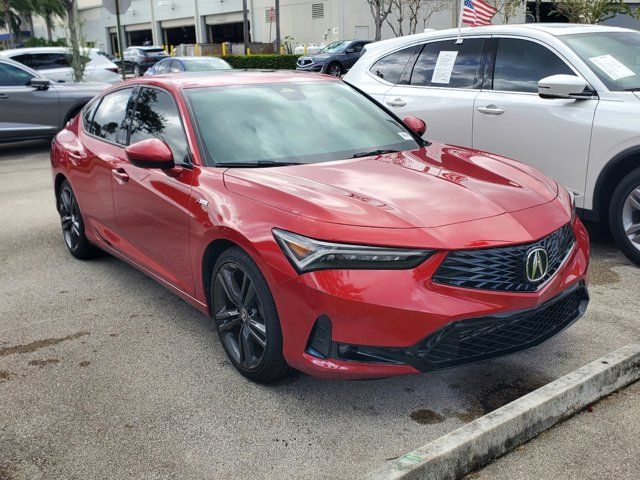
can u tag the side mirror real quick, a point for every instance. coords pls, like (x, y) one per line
(39, 83)
(563, 86)
(415, 124)
(150, 153)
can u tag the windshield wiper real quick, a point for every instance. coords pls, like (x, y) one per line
(373, 152)
(258, 164)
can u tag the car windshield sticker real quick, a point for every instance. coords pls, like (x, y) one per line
(405, 135)
(612, 67)
(444, 67)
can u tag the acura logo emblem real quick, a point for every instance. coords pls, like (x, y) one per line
(536, 265)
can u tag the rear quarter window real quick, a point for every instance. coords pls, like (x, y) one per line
(391, 67)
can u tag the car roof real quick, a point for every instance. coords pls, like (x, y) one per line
(190, 80)
(146, 47)
(19, 51)
(534, 29)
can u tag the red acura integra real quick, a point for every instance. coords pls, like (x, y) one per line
(318, 230)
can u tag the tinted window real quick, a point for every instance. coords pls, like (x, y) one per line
(163, 66)
(87, 115)
(175, 67)
(42, 61)
(357, 47)
(467, 60)
(157, 116)
(108, 122)
(390, 68)
(11, 76)
(520, 64)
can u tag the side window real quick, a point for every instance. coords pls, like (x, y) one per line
(156, 116)
(447, 64)
(163, 67)
(25, 59)
(390, 68)
(87, 115)
(109, 119)
(175, 67)
(520, 64)
(12, 76)
(357, 47)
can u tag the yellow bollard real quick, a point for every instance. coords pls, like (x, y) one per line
(248, 51)
(281, 50)
(305, 48)
(224, 49)
(195, 50)
(173, 51)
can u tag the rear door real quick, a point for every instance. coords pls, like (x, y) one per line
(25, 112)
(441, 88)
(511, 119)
(152, 205)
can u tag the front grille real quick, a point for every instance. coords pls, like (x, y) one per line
(303, 62)
(503, 268)
(477, 339)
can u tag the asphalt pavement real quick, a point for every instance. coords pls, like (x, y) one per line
(106, 374)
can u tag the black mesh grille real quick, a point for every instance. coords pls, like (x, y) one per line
(503, 268)
(469, 341)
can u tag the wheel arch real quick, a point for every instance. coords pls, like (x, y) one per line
(211, 253)
(57, 183)
(74, 110)
(613, 173)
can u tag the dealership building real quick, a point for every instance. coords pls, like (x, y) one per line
(174, 22)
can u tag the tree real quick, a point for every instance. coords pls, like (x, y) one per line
(593, 11)
(10, 11)
(380, 10)
(427, 9)
(414, 11)
(397, 7)
(506, 8)
(71, 9)
(48, 10)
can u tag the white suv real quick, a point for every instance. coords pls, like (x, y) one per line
(55, 63)
(563, 98)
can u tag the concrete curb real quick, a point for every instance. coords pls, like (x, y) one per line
(479, 442)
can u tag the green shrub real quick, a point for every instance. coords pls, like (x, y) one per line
(43, 42)
(270, 62)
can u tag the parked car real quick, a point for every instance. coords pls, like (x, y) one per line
(370, 255)
(55, 63)
(33, 107)
(188, 64)
(335, 59)
(138, 60)
(562, 98)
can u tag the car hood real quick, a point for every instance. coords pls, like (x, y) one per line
(320, 56)
(80, 88)
(434, 186)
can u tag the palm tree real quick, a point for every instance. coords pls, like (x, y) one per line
(10, 11)
(49, 10)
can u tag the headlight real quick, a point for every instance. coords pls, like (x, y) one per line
(307, 254)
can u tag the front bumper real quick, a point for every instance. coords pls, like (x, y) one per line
(393, 322)
(314, 67)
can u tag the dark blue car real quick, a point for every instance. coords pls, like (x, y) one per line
(335, 59)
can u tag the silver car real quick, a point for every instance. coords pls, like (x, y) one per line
(33, 107)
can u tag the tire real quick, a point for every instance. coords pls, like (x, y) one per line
(246, 318)
(624, 216)
(335, 69)
(136, 71)
(73, 224)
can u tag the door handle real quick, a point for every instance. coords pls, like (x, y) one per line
(397, 102)
(120, 176)
(490, 110)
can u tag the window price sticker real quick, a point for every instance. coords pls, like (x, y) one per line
(444, 67)
(614, 68)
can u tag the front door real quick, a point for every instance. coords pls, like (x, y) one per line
(510, 118)
(152, 205)
(441, 89)
(25, 112)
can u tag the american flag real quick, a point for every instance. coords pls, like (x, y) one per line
(477, 12)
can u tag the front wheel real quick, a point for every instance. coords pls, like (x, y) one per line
(73, 224)
(624, 216)
(246, 317)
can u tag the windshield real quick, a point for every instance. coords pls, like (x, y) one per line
(292, 123)
(335, 47)
(205, 64)
(613, 56)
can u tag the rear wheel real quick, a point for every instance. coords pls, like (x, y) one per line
(73, 225)
(246, 317)
(624, 216)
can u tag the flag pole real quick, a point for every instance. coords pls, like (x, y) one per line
(459, 39)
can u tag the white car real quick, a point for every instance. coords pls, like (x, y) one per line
(55, 63)
(562, 98)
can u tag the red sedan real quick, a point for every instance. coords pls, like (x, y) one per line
(320, 232)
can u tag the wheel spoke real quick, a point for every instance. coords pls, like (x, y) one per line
(66, 222)
(225, 314)
(65, 200)
(632, 229)
(247, 346)
(250, 295)
(258, 332)
(634, 199)
(230, 286)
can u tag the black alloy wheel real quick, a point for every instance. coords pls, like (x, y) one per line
(246, 317)
(334, 69)
(72, 224)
